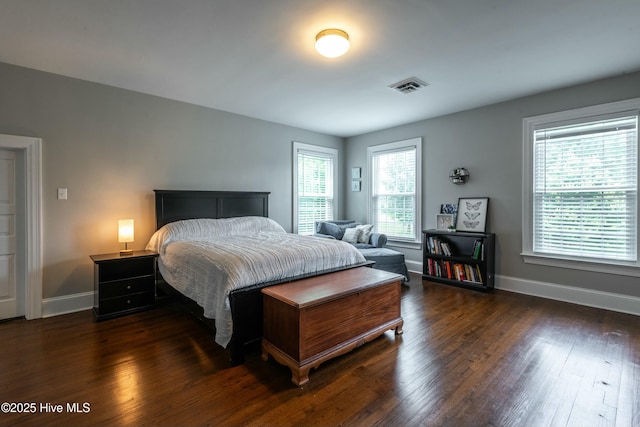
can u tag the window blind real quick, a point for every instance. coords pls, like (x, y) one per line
(585, 189)
(394, 193)
(315, 189)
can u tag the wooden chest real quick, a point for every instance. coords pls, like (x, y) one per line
(309, 321)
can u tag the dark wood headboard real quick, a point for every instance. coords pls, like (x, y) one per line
(176, 205)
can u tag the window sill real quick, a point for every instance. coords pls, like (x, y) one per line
(618, 268)
(404, 244)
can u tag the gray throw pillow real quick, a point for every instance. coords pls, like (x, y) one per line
(330, 229)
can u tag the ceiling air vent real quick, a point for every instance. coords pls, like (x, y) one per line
(409, 85)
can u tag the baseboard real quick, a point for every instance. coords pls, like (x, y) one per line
(414, 266)
(67, 304)
(598, 299)
(588, 297)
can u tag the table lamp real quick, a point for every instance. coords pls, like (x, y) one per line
(125, 235)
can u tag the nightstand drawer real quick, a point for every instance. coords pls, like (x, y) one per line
(126, 287)
(129, 302)
(124, 268)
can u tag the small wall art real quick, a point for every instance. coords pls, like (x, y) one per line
(472, 214)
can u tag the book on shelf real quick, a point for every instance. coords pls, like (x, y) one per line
(468, 272)
(479, 274)
(449, 272)
(446, 249)
(431, 247)
(460, 274)
(454, 270)
(478, 250)
(438, 247)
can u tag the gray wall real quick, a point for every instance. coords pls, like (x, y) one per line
(488, 142)
(112, 147)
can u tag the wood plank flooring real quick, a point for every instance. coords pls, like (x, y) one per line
(465, 359)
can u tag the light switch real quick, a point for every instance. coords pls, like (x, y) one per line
(62, 194)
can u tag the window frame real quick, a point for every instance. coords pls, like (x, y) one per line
(579, 115)
(416, 241)
(319, 150)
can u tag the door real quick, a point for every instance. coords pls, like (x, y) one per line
(11, 295)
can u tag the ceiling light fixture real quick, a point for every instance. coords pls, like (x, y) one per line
(332, 43)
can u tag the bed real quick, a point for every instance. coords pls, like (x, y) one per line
(196, 227)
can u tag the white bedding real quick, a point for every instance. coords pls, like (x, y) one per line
(207, 258)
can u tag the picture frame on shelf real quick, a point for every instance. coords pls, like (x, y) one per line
(472, 214)
(444, 222)
(450, 208)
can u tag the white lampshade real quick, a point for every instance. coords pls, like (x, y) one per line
(332, 43)
(125, 230)
(125, 235)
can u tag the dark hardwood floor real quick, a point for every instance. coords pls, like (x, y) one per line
(465, 359)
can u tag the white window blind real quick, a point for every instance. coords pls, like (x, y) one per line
(394, 191)
(585, 195)
(315, 188)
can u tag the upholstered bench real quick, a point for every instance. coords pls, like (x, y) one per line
(387, 260)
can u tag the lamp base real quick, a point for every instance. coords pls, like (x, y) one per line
(126, 252)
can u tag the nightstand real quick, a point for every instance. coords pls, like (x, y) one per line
(124, 284)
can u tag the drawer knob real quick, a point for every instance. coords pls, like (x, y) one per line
(128, 301)
(128, 287)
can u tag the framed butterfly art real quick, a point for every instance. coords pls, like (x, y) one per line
(472, 214)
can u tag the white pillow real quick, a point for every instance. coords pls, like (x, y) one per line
(365, 233)
(351, 235)
(208, 228)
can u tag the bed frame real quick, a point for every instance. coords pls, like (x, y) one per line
(246, 303)
(176, 205)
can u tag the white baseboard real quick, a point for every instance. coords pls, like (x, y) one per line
(84, 301)
(67, 304)
(598, 299)
(414, 266)
(590, 298)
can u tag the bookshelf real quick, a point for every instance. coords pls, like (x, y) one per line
(459, 258)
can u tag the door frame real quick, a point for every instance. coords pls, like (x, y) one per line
(32, 151)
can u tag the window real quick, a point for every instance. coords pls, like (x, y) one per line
(394, 199)
(581, 179)
(315, 180)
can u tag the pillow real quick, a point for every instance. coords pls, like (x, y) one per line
(335, 230)
(351, 235)
(343, 227)
(329, 229)
(206, 228)
(365, 233)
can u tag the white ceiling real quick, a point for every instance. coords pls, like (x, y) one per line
(256, 57)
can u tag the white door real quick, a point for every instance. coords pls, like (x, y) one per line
(11, 300)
